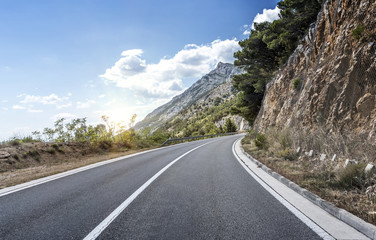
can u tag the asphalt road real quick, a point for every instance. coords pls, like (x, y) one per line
(206, 194)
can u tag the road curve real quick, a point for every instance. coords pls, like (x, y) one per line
(205, 194)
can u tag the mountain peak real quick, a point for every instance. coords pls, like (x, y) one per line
(223, 68)
(222, 73)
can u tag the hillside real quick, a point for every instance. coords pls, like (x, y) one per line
(334, 70)
(199, 91)
(208, 114)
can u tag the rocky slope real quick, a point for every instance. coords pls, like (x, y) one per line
(222, 94)
(329, 82)
(199, 93)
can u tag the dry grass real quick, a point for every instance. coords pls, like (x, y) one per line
(49, 159)
(349, 188)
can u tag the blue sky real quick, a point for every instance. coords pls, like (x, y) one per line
(86, 58)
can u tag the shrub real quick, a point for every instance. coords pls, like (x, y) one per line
(14, 141)
(33, 153)
(352, 176)
(261, 142)
(230, 126)
(246, 140)
(51, 151)
(104, 144)
(288, 154)
(357, 33)
(297, 83)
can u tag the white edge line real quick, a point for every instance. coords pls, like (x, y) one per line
(312, 225)
(107, 221)
(22, 186)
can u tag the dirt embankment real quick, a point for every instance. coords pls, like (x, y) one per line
(23, 162)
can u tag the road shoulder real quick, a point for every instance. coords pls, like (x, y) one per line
(333, 226)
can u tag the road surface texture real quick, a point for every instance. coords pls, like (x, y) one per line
(206, 194)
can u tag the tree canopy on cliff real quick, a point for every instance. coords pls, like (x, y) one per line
(267, 48)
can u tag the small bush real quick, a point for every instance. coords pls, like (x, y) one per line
(288, 154)
(51, 151)
(34, 154)
(357, 33)
(14, 142)
(285, 140)
(261, 142)
(105, 144)
(352, 176)
(29, 139)
(246, 139)
(297, 83)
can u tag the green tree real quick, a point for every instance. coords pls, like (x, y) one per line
(268, 48)
(230, 126)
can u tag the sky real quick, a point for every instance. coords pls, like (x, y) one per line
(88, 58)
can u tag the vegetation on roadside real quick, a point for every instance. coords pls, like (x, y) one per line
(204, 120)
(349, 187)
(74, 142)
(108, 135)
(268, 48)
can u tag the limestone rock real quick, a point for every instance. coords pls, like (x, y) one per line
(4, 155)
(338, 74)
(369, 168)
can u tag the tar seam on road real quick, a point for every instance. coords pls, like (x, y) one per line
(36, 182)
(107, 221)
(312, 225)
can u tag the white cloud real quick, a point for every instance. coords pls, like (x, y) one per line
(50, 99)
(64, 105)
(165, 78)
(247, 32)
(4, 109)
(132, 52)
(67, 116)
(28, 101)
(85, 104)
(35, 110)
(267, 15)
(102, 96)
(18, 107)
(29, 108)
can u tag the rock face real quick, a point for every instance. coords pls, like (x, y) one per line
(334, 70)
(199, 91)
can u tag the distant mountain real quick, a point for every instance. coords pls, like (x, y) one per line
(198, 91)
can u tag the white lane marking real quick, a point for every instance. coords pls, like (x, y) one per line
(312, 225)
(104, 224)
(19, 187)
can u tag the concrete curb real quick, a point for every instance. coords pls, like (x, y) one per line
(359, 224)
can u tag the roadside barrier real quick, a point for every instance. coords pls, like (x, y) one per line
(197, 137)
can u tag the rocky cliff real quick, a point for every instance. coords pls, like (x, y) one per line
(198, 91)
(329, 82)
